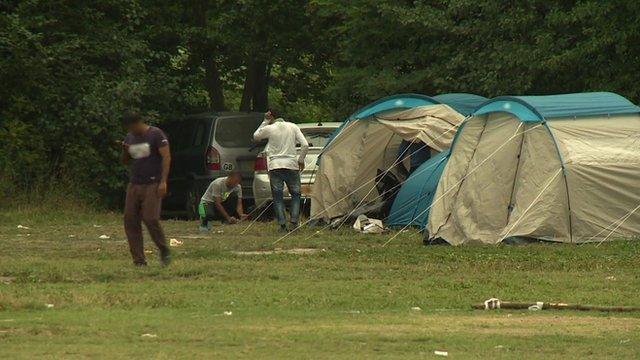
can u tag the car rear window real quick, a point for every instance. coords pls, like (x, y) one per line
(236, 132)
(317, 137)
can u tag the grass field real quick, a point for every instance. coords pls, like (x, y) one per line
(352, 298)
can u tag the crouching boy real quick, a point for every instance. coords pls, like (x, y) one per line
(222, 201)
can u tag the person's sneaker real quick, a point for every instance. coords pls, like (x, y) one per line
(165, 257)
(283, 228)
(294, 226)
(203, 229)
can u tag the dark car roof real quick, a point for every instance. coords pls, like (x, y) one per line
(213, 115)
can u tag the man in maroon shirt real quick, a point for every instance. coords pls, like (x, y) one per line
(146, 150)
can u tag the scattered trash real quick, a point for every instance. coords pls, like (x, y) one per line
(148, 251)
(151, 336)
(499, 347)
(491, 304)
(228, 313)
(7, 279)
(23, 227)
(353, 312)
(368, 226)
(416, 308)
(537, 306)
(104, 237)
(441, 353)
(611, 278)
(71, 236)
(625, 341)
(49, 306)
(220, 232)
(300, 251)
(97, 226)
(175, 242)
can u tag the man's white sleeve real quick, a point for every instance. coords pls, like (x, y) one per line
(304, 145)
(262, 132)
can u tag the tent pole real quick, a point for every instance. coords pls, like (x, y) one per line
(564, 175)
(515, 179)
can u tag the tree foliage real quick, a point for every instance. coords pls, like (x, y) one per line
(68, 68)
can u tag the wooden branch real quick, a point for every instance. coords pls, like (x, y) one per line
(560, 306)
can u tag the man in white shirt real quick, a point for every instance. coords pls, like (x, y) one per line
(284, 163)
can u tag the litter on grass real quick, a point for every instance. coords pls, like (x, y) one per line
(366, 225)
(416, 308)
(49, 306)
(104, 237)
(151, 336)
(7, 279)
(175, 242)
(228, 313)
(441, 353)
(300, 251)
(23, 227)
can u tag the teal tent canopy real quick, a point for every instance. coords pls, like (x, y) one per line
(545, 107)
(463, 103)
(411, 206)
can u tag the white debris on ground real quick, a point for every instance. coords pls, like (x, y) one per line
(104, 237)
(228, 313)
(49, 306)
(416, 308)
(441, 353)
(298, 251)
(150, 336)
(7, 279)
(23, 227)
(71, 236)
(97, 226)
(175, 242)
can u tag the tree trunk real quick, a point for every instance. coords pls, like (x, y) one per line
(212, 82)
(204, 53)
(249, 85)
(261, 87)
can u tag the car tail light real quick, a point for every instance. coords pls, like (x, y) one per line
(261, 163)
(213, 158)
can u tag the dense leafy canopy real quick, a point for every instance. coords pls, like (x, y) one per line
(68, 68)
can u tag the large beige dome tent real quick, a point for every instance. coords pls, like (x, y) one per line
(368, 141)
(563, 168)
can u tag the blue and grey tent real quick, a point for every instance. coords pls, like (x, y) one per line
(411, 206)
(367, 145)
(561, 168)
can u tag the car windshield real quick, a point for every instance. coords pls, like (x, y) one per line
(317, 137)
(236, 132)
